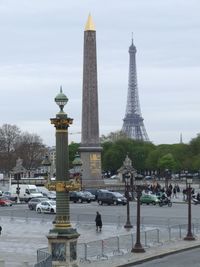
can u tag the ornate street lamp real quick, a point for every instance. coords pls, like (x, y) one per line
(62, 238)
(139, 187)
(18, 170)
(167, 177)
(189, 235)
(47, 164)
(77, 163)
(127, 177)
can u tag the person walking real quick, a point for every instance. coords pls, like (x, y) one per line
(98, 222)
(0, 229)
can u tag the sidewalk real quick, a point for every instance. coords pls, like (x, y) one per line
(20, 240)
(132, 259)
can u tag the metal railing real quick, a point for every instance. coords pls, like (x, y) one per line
(120, 245)
(44, 258)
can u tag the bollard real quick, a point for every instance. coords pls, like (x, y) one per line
(132, 240)
(118, 222)
(2, 263)
(158, 235)
(169, 233)
(145, 238)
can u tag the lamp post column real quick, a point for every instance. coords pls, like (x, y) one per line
(18, 176)
(62, 238)
(127, 177)
(138, 246)
(189, 235)
(77, 163)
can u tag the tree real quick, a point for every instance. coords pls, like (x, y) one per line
(167, 162)
(113, 137)
(195, 145)
(9, 135)
(31, 149)
(73, 149)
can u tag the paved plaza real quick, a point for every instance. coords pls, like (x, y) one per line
(21, 238)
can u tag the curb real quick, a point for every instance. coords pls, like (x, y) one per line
(161, 255)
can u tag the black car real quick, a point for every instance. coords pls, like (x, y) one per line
(76, 196)
(108, 197)
(34, 201)
(93, 192)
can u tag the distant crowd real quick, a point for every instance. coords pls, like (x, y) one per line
(171, 191)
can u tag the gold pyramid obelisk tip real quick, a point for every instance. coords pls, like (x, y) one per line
(89, 26)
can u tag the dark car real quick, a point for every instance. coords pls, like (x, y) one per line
(81, 197)
(89, 195)
(108, 197)
(93, 192)
(50, 195)
(34, 201)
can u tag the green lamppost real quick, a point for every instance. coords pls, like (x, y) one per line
(62, 238)
(189, 236)
(138, 248)
(77, 163)
(47, 164)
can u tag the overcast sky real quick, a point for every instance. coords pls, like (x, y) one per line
(41, 48)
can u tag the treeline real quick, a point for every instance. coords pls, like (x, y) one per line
(15, 143)
(147, 156)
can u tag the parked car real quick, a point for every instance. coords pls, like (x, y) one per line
(108, 197)
(89, 195)
(34, 201)
(48, 206)
(46, 193)
(93, 192)
(8, 196)
(77, 196)
(50, 195)
(5, 201)
(149, 199)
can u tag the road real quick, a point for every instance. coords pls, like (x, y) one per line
(182, 259)
(156, 215)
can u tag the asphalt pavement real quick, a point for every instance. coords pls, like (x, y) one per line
(22, 237)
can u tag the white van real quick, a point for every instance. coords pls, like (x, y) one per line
(27, 191)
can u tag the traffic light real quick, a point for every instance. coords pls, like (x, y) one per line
(18, 190)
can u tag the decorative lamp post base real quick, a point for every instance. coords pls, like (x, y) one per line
(128, 226)
(138, 248)
(63, 247)
(189, 238)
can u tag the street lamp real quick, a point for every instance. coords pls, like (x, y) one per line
(47, 163)
(18, 177)
(62, 238)
(77, 163)
(167, 177)
(127, 177)
(139, 187)
(189, 235)
(18, 170)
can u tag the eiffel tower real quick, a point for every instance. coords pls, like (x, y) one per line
(133, 125)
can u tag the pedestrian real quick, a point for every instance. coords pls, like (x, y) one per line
(174, 192)
(98, 222)
(0, 229)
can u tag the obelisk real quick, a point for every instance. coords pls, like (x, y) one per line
(90, 149)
